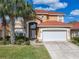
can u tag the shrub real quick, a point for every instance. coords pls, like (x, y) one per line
(0, 38)
(75, 40)
(8, 38)
(5, 41)
(22, 40)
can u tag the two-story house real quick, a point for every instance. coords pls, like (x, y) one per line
(50, 27)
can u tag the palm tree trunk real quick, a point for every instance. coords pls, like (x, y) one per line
(12, 32)
(4, 29)
(25, 27)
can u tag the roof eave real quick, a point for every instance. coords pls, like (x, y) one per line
(61, 26)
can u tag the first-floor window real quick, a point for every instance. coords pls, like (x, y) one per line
(77, 34)
(19, 34)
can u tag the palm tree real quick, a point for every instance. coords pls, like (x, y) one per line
(17, 8)
(25, 10)
(2, 14)
(10, 11)
(27, 13)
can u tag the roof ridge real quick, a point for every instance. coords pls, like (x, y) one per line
(48, 12)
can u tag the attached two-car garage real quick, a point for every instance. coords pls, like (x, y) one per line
(53, 31)
(54, 35)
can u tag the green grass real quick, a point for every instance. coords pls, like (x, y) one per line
(23, 52)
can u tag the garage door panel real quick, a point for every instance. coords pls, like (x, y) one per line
(54, 35)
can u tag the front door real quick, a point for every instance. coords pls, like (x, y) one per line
(32, 30)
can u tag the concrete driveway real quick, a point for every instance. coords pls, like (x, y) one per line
(62, 50)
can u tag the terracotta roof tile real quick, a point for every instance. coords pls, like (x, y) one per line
(51, 13)
(41, 11)
(52, 23)
(75, 25)
(48, 12)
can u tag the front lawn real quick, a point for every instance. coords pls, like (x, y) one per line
(23, 52)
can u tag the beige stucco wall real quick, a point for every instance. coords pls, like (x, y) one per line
(39, 36)
(52, 17)
(42, 17)
(38, 21)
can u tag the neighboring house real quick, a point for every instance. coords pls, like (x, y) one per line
(75, 29)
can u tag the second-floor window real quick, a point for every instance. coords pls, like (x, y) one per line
(60, 18)
(41, 16)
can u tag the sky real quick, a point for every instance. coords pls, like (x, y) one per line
(69, 7)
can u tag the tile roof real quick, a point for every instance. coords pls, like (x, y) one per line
(48, 12)
(75, 25)
(58, 13)
(41, 11)
(53, 23)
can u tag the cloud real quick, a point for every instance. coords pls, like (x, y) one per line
(44, 1)
(41, 8)
(53, 4)
(70, 17)
(59, 5)
(75, 12)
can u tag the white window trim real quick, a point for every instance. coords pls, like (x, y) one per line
(62, 19)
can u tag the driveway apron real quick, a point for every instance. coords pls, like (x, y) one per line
(62, 50)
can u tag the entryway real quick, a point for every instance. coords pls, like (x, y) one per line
(32, 30)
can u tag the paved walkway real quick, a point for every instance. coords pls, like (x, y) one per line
(62, 50)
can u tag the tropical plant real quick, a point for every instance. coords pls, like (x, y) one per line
(2, 14)
(10, 11)
(15, 8)
(25, 10)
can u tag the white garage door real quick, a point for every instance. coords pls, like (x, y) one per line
(54, 36)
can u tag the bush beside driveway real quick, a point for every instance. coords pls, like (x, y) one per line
(75, 40)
